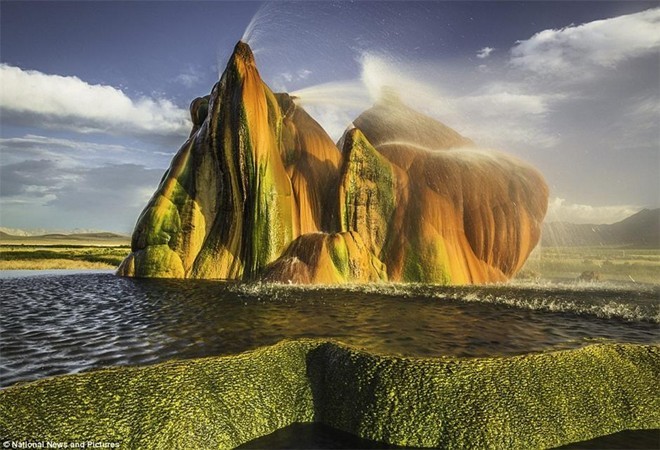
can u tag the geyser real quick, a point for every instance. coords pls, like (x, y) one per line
(260, 191)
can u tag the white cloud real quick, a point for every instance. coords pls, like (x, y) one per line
(559, 210)
(644, 112)
(284, 81)
(188, 79)
(33, 179)
(497, 101)
(303, 73)
(29, 97)
(30, 140)
(639, 123)
(70, 153)
(108, 197)
(485, 52)
(577, 50)
(48, 181)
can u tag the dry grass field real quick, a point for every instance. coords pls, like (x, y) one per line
(92, 251)
(45, 257)
(607, 263)
(63, 251)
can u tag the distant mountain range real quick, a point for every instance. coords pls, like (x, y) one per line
(640, 230)
(97, 235)
(48, 231)
(96, 238)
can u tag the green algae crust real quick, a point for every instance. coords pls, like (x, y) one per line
(531, 401)
(323, 258)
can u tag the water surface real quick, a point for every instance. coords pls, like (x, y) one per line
(54, 324)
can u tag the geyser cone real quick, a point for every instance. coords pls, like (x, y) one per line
(256, 221)
(227, 205)
(431, 209)
(312, 161)
(391, 120)
(260, 190)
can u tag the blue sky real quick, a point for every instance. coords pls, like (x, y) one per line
(94, 95)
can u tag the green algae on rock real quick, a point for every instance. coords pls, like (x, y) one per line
(225, 208)
(531, 401)
(367, 193)
(322, 258)
(248, 181)
(462, 215)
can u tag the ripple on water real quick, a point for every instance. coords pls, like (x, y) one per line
(66, 324)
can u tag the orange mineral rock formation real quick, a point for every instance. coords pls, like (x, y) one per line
(259, 190)
(227, 207)
(322, 258)
(312, 162)
(439, 210)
